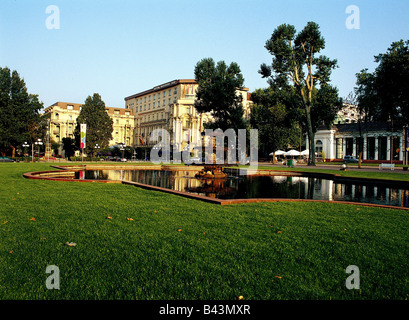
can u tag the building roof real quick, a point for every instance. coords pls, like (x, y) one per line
(167, 85)
(363, 127)
(77, 106)
(162, 86)
(121, 110)
(64, 105)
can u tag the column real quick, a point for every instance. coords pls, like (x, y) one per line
(400, 148)
(354, 147)
(332, 146)
(388, 148)
(376, 148)
(344, 147)
(364, 151)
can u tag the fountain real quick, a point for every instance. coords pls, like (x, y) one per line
(212, 170)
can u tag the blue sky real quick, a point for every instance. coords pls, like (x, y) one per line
(118, 48)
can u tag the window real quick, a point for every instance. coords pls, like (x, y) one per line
(149, 106)
(70, 107)
(318, 147)
(169, 101)
(163, 93)
(144, 107)
(145, 99)
(117, 121)
(170, 91)
(176, 90)
(153, 106)
(116, 112)
(127, 113)
(158, 104)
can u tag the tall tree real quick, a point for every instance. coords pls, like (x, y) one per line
(384, 94)
(295, 61)
(20, 118)
(217, 93)
(276, 126)
(99, 123)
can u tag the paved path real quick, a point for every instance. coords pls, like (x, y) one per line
(338, 167)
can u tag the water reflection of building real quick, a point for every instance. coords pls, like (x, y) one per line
(379, 194)
(293, 187)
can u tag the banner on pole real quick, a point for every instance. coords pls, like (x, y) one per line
(406, 142)
(83, 128)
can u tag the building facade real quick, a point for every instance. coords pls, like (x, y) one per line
(349, 113)
(170, 106)
(376, 141)
(63, 121)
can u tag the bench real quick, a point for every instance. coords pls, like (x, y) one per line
(387, 165)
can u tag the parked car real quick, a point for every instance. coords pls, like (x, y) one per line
(350, 159)
(5, 159)
(193, 160)
(124, 160)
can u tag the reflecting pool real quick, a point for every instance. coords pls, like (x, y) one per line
(260, 186)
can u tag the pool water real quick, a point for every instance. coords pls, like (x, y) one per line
(257, 186)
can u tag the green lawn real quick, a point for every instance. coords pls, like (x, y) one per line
(259, 250)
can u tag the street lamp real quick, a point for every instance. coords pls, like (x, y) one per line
(25, 146)
(122, 147)
(97, 147)
(38, 142)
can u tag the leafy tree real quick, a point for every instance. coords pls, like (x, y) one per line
(20, 119)
(276, 126)
(217, 93)
(68, 146)
(99, 124)
(300, 72)
(384, 94)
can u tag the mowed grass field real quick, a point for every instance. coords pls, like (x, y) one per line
(137, 244)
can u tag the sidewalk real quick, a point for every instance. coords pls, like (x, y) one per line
(337, 167)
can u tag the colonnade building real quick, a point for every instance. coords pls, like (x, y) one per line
(376, 141)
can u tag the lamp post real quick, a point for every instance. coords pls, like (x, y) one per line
(122, 147)
(25, 146)
(97, 147)
(38, 143)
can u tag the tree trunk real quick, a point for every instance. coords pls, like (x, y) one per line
(310, 132)
(13, 151)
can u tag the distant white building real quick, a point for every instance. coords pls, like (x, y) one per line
(349, 113)
(376, 141)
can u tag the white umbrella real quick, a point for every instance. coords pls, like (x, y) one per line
(306, 152)
(278, 153)
(292, 153)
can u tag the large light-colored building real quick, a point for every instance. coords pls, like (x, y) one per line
(170, 106)
(63, 120)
